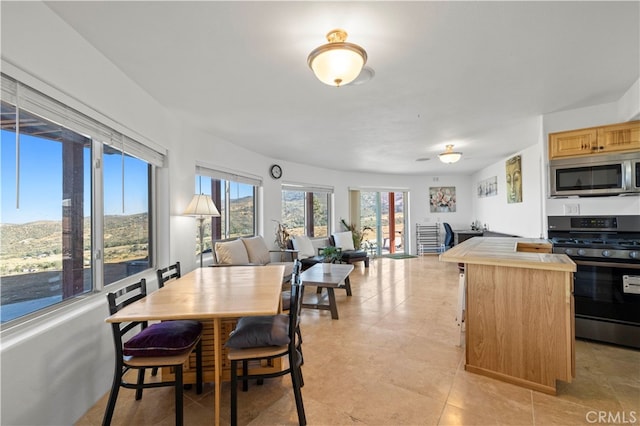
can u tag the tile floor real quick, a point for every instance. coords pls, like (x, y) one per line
(392, 359)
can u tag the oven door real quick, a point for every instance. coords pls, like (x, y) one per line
(600, 294)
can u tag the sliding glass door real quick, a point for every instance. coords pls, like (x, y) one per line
(381, 214)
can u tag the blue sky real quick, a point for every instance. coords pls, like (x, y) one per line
(41, 181)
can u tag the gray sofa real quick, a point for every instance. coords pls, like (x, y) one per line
(251, 251)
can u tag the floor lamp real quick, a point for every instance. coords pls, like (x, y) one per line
(201, 206)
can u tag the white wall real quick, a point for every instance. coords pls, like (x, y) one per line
(625, 109)
(529, 218)
(525, 218)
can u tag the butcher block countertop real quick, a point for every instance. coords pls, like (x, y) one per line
(530, 253)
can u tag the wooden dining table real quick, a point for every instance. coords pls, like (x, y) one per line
(214, 295)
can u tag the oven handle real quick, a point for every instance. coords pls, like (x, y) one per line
(607, 264)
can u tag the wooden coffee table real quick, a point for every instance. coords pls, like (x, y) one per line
(337, 278)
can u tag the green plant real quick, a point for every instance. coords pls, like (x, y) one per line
(330, 254)
(357, 235)
(282, 236)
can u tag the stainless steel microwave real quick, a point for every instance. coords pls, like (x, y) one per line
(597, 175)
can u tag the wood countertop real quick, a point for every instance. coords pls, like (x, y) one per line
(530, 253)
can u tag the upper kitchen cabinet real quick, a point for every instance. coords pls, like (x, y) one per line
(623, 137)
(619, 137)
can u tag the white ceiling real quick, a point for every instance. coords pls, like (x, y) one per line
(467, 73)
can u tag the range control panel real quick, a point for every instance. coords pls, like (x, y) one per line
(594, 222)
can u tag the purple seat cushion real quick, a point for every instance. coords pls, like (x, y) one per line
(255, 332)
(165, 338)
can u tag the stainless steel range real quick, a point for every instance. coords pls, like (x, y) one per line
(606, 250)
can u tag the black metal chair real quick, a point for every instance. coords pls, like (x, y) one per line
(168, 273)
(265, 346)
(166, 344)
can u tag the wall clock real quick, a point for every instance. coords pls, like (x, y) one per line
(275, 171)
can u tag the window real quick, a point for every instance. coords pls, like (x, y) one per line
(235, 196)
(127, 181)
(55, 203)
(306, 210)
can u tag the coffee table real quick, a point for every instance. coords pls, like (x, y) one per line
(337, 278)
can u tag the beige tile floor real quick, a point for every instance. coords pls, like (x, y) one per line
(392, 359)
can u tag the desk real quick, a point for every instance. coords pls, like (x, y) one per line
(213, 296)
(316, 277)
(461, 235)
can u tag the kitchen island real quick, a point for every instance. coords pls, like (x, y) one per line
(519, 315)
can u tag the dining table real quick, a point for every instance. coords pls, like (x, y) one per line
(216, 296)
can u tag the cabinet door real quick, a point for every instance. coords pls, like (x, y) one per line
(572, 143)
(620, 137)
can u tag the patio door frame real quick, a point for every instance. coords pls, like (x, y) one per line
(355, 214)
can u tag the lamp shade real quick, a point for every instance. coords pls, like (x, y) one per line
(337, 63)
(449, 155)
(201, 205)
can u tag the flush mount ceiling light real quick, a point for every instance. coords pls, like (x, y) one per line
(449, 156)
(337, 63)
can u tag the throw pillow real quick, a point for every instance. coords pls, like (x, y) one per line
(303, 244)
(344, 240)
(164, 338)
(257, 250)
(231, 253)
(255, 332)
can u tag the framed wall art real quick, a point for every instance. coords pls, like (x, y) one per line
(488, 187)
(513, 168)
(442, 199)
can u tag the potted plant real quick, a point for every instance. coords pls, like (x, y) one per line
(282, 236)
(357, 235)
(329, 255)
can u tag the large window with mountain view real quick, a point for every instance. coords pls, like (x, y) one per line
(306, 210)
(75, 206)
(235, 196)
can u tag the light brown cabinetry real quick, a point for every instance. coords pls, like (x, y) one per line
(620, 137)
(624, 137)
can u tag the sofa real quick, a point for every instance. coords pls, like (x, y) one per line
(251, 251)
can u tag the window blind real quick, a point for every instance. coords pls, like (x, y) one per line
(306, 188)
(50, 109)
(226, 175)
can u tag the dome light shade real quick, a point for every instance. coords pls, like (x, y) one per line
(337, 63)
(449, 156)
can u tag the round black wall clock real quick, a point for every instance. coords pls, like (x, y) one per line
(275, 171)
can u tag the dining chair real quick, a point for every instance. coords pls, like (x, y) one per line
(265, 338)
(168, 273)
(448, 238)
(165, 344)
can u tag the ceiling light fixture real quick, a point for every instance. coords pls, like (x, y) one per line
(449, 155)
(337, 63)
